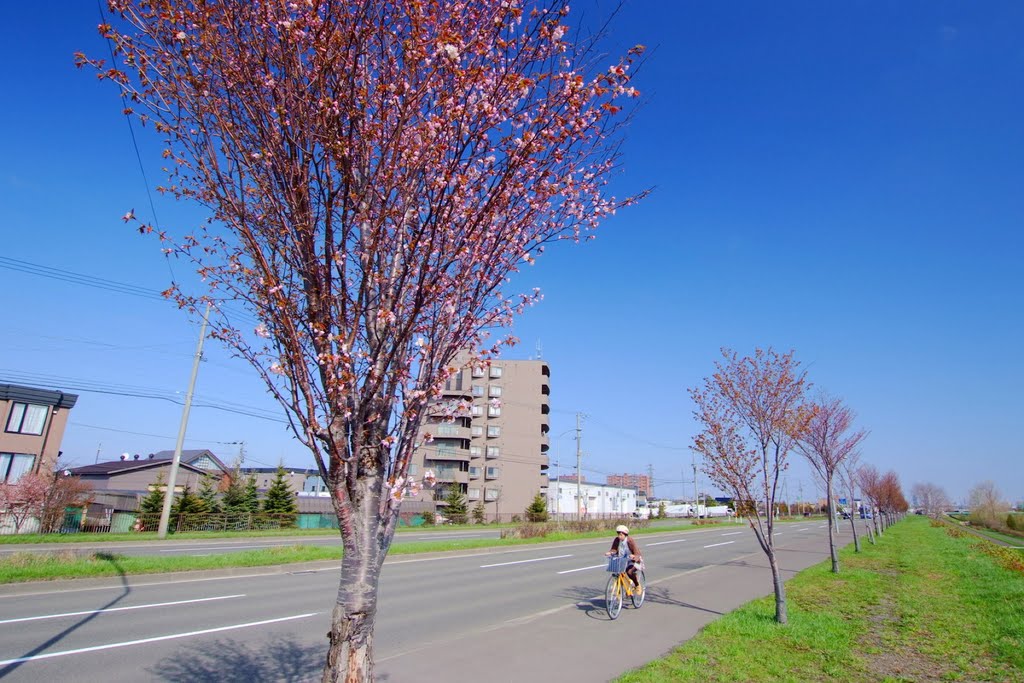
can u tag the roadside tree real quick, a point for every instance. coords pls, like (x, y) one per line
(280, 499)
(208, 494)
(827, 442)
(988, 507)
(930, 498)
(375, 173)
(752, 411)
(455, 505)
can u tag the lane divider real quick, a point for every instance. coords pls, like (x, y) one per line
(678, 540)
(580, 569)
(156, 639)
(536, 559)
(120, 609)
(715, 545)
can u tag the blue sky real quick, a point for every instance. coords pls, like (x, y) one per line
(841, 179)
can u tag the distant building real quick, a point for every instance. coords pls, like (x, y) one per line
(640, 482)
(495, 450)
(34, 422)
(566, 500)
(203, 459)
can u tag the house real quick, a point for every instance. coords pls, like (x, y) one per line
(120, 485)
(203, 459)
(34, 421)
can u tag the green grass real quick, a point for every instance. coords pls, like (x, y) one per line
(919, 605)
(68, 564)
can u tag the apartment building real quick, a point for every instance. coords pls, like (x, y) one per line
(640, 482)
(489, 437)
(34, 422)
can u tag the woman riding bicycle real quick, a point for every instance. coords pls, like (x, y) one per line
(622, 546)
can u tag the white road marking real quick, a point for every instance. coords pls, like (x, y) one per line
(732, 533)
(593, 566)
(156, 639)
(121, 609)
(678, 540)
(713, 545)
(536, 559)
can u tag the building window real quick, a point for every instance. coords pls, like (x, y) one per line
(477, 411)
(491, 494)
(478, 371)
(495, 372)
(474, 472)
(493, 472)
(447, 430)
(473, 494)
(477, 430)
(494, 391)
(478, 389)
(493, 430)
(493, 411)
(14, 465)
(493, 451)
(475, 451)
(454, 382)
(413, 469)
(27, 418)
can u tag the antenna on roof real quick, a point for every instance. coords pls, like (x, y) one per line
(540, 350)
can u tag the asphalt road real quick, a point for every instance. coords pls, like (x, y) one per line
(516, 615)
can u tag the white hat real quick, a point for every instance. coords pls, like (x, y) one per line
(622, 529)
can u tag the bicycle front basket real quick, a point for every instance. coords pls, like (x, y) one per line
(617, 565)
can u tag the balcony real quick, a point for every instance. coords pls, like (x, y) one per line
(437, 451)
(451, 474)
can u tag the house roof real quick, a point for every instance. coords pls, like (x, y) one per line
(122, 466)
(190, 456)
(46, 397)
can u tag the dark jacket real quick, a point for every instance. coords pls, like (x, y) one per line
(634, 549)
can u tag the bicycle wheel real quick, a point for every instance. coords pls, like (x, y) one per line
(613, 597)
(640, 593)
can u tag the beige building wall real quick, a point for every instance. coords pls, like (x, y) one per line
(495, 451)
(32, 423)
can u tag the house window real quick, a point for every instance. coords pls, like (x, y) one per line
(27, 418)
(493, 391)
(14, 465)
(493, 430)
(495, 372)
(478, 389)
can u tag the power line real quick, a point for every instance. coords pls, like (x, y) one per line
(79, 278)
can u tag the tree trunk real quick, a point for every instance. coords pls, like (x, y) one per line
(876, 522)
(853, 527)
(350, 655)
(832, 523)
(781, 615)
(871, 536)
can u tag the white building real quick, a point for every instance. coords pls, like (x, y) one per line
(597, 500)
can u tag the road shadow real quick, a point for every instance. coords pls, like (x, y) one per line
(49, 642)
(229, 661)
(588, 599)
(661, 595)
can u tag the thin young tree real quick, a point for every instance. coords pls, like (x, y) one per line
(847, 470)
(375, 174)
(870, 483)
(826, 443)
(752, 411)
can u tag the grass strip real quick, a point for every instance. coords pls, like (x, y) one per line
(921, 605)
(68, 564)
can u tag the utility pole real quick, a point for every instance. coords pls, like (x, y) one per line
(99, 447)
(696, 502)
(650, 481)
(801, 489)
(579, 472)
(165, 514)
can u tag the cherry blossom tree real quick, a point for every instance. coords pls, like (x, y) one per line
(869, 481)
(752, 412)
(42, 497)
(375, 173)
(826, 443)
(847, 471)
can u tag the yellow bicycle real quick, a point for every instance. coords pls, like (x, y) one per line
(620, 586)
